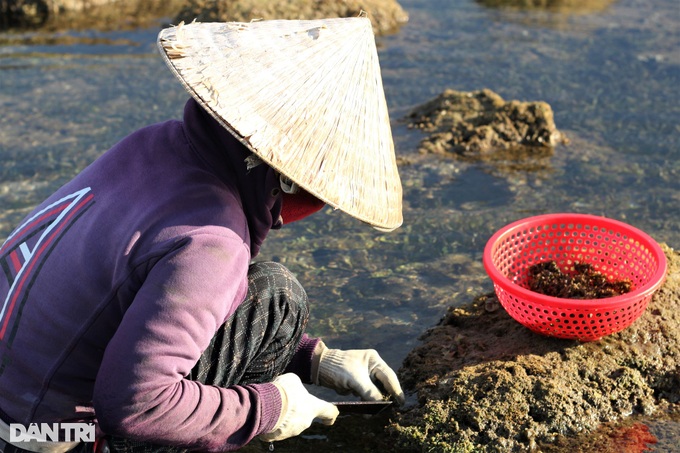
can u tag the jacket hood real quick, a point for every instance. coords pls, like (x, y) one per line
(257, 187)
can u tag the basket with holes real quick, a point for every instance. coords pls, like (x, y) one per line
(612, 248)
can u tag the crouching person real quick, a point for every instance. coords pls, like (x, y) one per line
(131, 301)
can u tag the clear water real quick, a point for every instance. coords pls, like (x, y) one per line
(611, 73)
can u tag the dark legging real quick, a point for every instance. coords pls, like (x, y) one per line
(255, 344)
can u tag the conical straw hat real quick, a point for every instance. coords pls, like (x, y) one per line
(306, 96)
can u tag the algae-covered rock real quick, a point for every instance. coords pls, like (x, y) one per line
(55, 15)
(563, 6)
(22, 13)
(386, 15)
(480, 125)
(486, 383)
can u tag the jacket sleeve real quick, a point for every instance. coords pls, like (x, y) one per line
(141, 391)
(301, 363)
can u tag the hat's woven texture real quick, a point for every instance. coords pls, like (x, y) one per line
(306, 96)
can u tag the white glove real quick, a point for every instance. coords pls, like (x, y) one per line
(357, 372)
(298, 409)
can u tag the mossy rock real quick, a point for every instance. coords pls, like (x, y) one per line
(486, 383)
(386, 15)
(55, 15)
(562, 6)
(481, 125)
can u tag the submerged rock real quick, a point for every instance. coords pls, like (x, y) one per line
(386, 15)
(486, 383)
(481, 125)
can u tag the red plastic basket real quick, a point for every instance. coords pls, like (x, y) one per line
(613, 248)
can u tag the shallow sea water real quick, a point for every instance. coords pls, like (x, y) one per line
(611, 74)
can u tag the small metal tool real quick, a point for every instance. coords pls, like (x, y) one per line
(362, 407)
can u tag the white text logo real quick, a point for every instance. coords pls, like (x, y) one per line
(49, 432)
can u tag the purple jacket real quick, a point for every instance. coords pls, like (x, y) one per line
(114, 286)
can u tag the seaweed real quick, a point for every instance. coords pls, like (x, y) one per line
(584, 283)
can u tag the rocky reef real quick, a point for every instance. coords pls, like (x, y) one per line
(386, 15)
(486, 383)
(54, 15)
(564, 6)
(481, 125)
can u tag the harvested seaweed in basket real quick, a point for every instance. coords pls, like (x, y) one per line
(585, 283)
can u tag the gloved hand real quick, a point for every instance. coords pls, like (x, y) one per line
(357, 372)
(298, 409)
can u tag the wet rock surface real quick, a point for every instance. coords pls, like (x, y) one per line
(481, 125)
(53, 15)
(386, 15)
(486, 383)
(22, 14)
(567, 6)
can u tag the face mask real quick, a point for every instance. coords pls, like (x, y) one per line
(297, 203)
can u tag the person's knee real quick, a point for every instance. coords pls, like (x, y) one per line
(276, 283)
(279, 301)
(270, 268)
